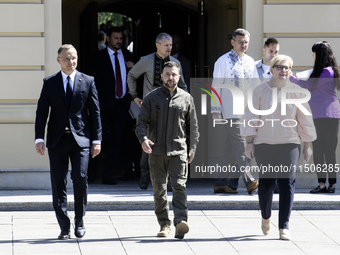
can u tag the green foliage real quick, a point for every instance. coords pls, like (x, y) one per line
(116, 18)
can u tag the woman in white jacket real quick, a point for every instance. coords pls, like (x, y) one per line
(274, 139)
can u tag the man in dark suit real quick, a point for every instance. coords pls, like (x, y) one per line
(176, 52)
(109, 68)
(69, 100)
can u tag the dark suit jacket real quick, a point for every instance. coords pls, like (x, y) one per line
(101, 68)
(186, 68)
(83, 113)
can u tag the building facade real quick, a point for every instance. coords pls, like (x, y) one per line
(32, 30)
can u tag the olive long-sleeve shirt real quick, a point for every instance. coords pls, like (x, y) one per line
(168, 122)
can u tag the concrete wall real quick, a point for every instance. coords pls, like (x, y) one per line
(297, 24)
(30, 34)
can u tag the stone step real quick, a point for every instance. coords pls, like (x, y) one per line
(127, 195)
(15, 178)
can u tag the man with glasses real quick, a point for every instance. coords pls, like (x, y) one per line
(236, 68)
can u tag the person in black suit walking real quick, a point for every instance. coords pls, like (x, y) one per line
(69, 100)
(109, 68)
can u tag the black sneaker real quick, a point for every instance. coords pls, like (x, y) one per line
(331, 188)
(143, 183)
(319, 190)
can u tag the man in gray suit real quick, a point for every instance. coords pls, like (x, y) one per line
(151, 67)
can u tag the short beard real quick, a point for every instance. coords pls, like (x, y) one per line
(116, 48)
(169, 86)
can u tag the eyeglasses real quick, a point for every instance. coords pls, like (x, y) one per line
(242, 42)
(68, 59)
(280, 67)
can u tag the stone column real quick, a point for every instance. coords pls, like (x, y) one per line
(52, 34)
(253, 22)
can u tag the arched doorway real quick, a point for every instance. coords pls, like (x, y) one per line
(148, 18)
(151, 17)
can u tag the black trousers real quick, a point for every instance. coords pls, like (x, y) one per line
(285, 155)
(324, 147)
(67, 149)
(114, 124)
(234, 156)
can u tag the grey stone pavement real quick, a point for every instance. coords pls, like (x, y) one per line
(120, 220)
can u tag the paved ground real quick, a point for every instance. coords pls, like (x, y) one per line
(120, 220)
(133, 232)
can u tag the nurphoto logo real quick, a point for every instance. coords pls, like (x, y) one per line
(238, 97)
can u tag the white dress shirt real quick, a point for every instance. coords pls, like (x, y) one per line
(64, 75)
(122, 67)
(266, 73)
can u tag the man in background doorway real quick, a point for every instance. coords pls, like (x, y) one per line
(101, 40)
(110, 67)
(177, 52)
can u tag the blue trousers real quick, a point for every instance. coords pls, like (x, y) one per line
(68, 150)
(284, 157)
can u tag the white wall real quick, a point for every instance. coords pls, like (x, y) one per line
(299, 26)
(30, 34)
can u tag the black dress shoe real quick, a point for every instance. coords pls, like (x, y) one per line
(143, 182)
(143, 186)
(169, 187)
(109, 181)
(319, 190)
(331, 188)
(64, 235)
(79, 229)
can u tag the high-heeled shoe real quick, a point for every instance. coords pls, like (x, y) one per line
(265, 226)
(284, 234)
